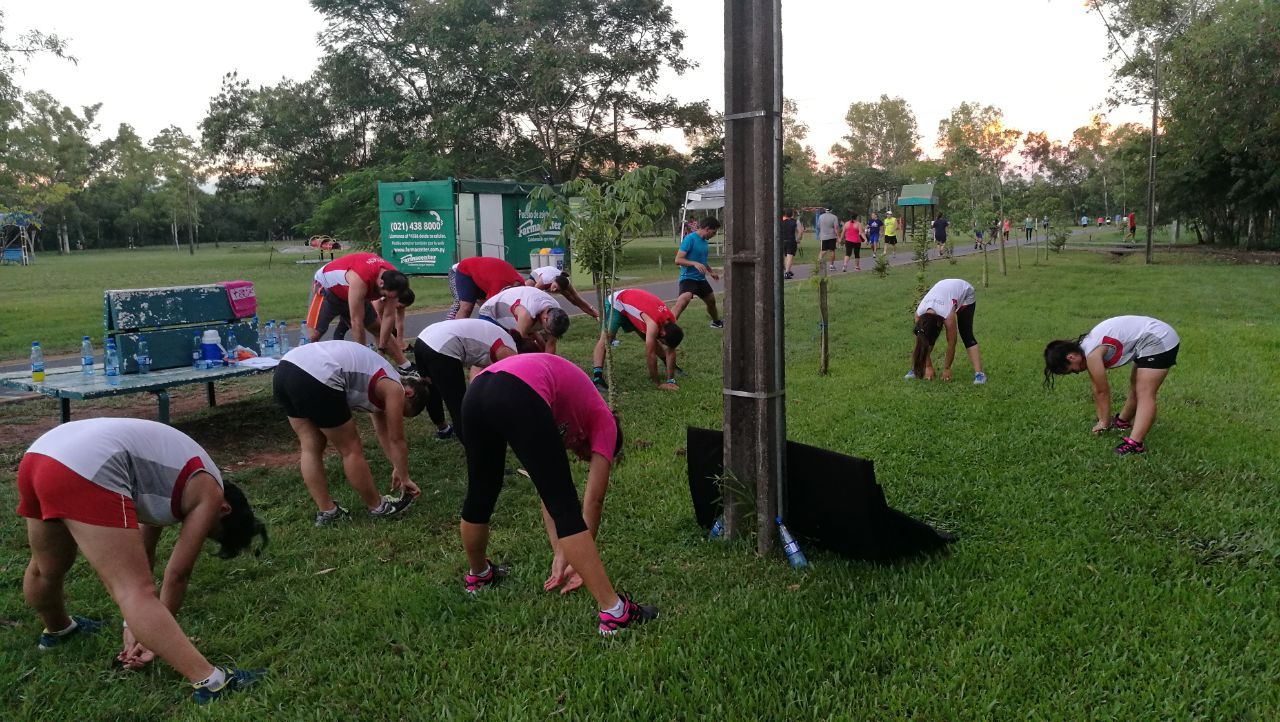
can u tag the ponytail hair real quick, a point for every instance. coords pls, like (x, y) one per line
(927, 329)
(1055, 358)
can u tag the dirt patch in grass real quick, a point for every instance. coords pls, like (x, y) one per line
(1227, 254)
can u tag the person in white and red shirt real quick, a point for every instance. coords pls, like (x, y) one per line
(318, 386)
(346, 288)
(1152, 346)
(106, 487)
(472, 280)
(554, 280)
(950, 304)
(541, 405)
(445, 349)
(638, 310)
(518, 309)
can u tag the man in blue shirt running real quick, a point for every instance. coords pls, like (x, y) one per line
(692, 260)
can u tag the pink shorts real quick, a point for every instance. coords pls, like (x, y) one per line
(47, 489)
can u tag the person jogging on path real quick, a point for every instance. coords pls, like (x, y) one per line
(318, 386)
(949, 304)
(518, 309)
(891, 232)
(873, 231)
(539, 406)
(553, 280)
(347, 288)
(827, 231)
(692, 259)
(445, 349)
(472, 280)
(1152, 346)
(106, 488)
(636, 310)
(852, 243)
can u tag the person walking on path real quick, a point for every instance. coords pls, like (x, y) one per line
(541, 406)
(519, 308)
(873, 232)
(444, 351)
(106, 488)
(1029, 227)
(940, 234)
(1132, 227)
(950, 304)
(791, 230)
(1152, 346)
(852, 244)
(1004, 229)
(472, 280)
(637, 310)
(692, 259)
(827, 231)
(318, 386)
(553, 280)
(891, 232)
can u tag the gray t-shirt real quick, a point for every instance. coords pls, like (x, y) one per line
(828, 226)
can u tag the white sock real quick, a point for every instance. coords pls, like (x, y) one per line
(616, 610)
(484, 573)
(214, 680)
(70, 628)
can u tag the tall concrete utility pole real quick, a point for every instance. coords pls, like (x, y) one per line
(755, 429)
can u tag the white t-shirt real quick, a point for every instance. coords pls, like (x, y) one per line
(472, 341)
(146, 461)
(1130, 337)
(946, 297)
(346, 366)
(546, 275)
(501, 307)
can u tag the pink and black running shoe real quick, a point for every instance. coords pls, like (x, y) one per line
(475, 582)
(1121, 424)
(632, 613)
(1129, 446)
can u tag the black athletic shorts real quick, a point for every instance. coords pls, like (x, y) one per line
(302, 396)
(891, 240)
(789, 248)
(701, 289)
(852, 249)
(1164, 360)
(829, 244)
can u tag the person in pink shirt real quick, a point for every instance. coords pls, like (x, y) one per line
(542, 405)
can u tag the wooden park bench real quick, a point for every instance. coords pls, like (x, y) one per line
(168, 317)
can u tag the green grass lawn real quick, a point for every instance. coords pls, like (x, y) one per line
(1084, 585)
(59, 298)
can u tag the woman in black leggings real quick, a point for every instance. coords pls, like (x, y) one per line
(540, 405)
(443, 351)
(950, 304)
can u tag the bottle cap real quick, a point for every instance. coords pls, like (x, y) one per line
(211, 336)
(84, 338)
(35, 343)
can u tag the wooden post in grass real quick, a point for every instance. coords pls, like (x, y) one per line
(754, 414)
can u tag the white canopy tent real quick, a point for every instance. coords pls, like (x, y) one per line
(709, 197)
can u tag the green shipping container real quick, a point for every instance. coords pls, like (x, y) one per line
(418, 230)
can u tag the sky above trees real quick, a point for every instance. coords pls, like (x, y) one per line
(1041, 61)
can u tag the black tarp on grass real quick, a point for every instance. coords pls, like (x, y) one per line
(833, 501)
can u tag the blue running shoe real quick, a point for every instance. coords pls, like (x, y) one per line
(79, 627)
(236, 680)
(979, 378)
(444, 434)
(910, 375)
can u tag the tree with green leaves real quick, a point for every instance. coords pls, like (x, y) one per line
(975, 136)
(599, 219)
(882, 134)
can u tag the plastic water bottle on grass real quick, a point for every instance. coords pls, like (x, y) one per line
(302, 334)
(86, 356)
(111, 362)
(717, 529)
(283, 331)
(790, 546)
(197, 354)
(270, 348)
(143, 356)
(37, 362)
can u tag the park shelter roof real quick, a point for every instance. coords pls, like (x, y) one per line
(918, 194)
(708, 197)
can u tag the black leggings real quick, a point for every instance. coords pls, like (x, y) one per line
(1028, 230)
(852, 249)
(501, 410)
(964, 323)
(448, 384)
